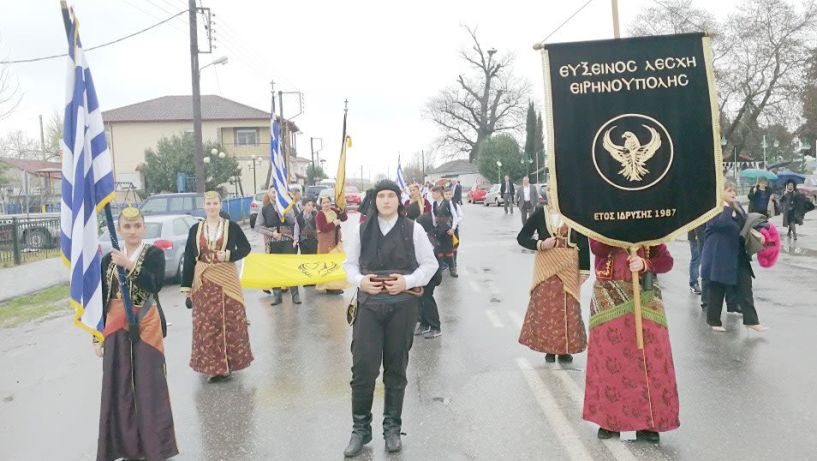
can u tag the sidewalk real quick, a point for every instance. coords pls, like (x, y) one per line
(30, 277)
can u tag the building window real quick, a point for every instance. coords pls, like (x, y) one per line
(246, 136)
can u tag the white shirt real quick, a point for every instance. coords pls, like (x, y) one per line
(423, 252)
(526, 193)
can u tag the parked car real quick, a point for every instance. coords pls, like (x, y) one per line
(168, 232)
(189, 203)
(313, 192)
(809, 188)
(493, 197)
(255, 207)
(478, 192)
(36, 231)
(352, 195)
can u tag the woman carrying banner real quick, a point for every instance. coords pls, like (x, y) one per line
(135, 418)
(553, 322)
(221, 343)
(329, 240)
(628, 389)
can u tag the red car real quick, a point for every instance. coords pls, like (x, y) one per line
(478, 192)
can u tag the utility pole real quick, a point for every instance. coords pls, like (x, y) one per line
(44, 158)
(312, 151)
(284, 135)
(198, 152)
(423, 164)
(616, 27)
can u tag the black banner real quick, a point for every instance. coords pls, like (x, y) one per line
(633, 136)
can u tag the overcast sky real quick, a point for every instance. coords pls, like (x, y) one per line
(387, 58)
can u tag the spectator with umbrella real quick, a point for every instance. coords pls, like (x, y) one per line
(795, 206)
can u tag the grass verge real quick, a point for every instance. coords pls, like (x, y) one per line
(34, 306)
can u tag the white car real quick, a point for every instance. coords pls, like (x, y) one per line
(493, 197)
(255, 207)
(168, 232)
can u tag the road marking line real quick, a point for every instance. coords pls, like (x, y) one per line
(516, 318)
(619, 451)
(495, 321)
(474, 286)
(556, 418)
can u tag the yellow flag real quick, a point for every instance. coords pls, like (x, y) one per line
(261, 270)
(340, 178)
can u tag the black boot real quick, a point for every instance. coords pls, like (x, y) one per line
(565, 358)
(604, 434)
(276, 297)
(361, 435)
(296, 295)
(452, 268)
(392, 421)
(361, 421)
(648, 436)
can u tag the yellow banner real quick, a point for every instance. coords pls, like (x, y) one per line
(264, 271)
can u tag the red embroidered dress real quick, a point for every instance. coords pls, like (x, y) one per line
(628, 389)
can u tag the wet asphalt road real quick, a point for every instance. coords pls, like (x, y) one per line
(473, 394)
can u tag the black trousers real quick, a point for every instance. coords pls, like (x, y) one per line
(743, 294)
(731, 296)
(429, 315)
(282, 247)
(382, 334)
(308, 246)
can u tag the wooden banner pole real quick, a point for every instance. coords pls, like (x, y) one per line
(639, 332)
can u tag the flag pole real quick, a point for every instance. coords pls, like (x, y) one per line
(133, 327)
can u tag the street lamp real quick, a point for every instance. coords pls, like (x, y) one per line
(498, 164)
(221, 60)
(529, 162)
(256, 160)
(724, 142)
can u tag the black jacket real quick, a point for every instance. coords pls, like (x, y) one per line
(511, 190)
(147, 277)
(236, 245)
(536, 223)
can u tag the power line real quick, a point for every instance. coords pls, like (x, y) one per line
(542, 42)
(44, 58)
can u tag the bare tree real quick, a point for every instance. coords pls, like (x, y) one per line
(486, 100)
(17, 144)
(759, 51)
(10, 95)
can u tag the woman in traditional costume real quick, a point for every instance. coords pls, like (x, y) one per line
(330, 241)
(135, 418)
(553, 322)
(221, 343)
(628, 389)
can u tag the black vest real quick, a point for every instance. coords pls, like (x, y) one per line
(413, 210)
(392, 253)
(443, 215)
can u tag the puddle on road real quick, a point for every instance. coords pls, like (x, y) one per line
(798, 251)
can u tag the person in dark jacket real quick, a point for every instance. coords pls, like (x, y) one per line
(724, 263)
(696, 246)
(759, 197)
(794, 206)
(507, 191)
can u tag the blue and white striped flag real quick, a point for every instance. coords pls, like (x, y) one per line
(400, 180)
(279, 168)
(87, 185)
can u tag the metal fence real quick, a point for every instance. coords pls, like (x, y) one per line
(24, 240)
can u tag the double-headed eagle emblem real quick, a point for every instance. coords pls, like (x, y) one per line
(632, 155)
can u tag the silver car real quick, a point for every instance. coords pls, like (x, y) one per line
(168, 232)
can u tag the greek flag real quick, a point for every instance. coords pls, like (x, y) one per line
(400, 180)
(279, 168)
(87, 186)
